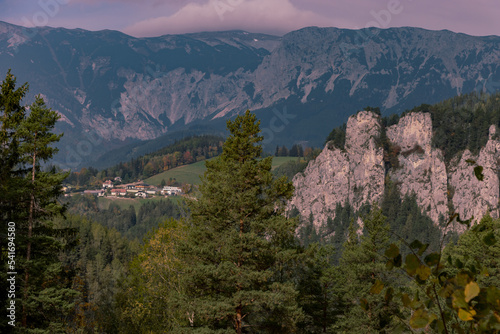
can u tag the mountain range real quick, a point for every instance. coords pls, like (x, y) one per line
(116, 93)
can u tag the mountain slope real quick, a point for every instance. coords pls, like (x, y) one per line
(113, 89)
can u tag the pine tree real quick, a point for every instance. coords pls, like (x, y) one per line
(29, 198)
(240, 249)
(44, 187)
(12, 114)
(12, 198)
(319, 288)
(361, 265)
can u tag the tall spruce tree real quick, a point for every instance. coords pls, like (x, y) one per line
(29, 199)
(361, 265)
(240, 249)
(12, 114)
(43, 189)
(12, 184)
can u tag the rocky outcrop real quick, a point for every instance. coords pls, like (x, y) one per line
(356, 174)
(473, 198)
(421, 169)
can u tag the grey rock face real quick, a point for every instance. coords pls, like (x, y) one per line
(473, 198)
(357, 174)
(422, 170)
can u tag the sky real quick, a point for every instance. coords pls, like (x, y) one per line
(148, 18)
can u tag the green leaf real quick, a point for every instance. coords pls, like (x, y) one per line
(466, 315)
(422, 249)
(389, 294)
(478, 171)
(377, 287)
(389, 265)
(462, 278)
(470, 161)
(458, 300)
(446, 291)
(473, 269)
(412, 263)
(416, 244)
(423, 272)
(433, 317)
(493, 295)
(399, 329)
(392, 251)
(364, 304)
(419, 319)
(471, 291)
(406, 300)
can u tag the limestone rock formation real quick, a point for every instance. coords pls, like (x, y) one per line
(421, 168)
(471, 197)
(357, 173)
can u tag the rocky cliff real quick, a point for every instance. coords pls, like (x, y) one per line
(358, 174)
(118, 89)
(354, 174)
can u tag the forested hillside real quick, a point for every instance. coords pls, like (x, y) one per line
(183, 152)
(129, 222)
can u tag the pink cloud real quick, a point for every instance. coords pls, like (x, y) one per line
(157, 17)
(278, 16)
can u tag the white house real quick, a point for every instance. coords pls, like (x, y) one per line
(167, 190)
(108, 184)
(141, 194)
(118, 192)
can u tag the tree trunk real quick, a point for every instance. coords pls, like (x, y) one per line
(239, 308)
(239, 320)
(30, 232)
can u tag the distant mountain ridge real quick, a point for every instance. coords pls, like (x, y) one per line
(114, 90)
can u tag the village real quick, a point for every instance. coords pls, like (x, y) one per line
(139, 189)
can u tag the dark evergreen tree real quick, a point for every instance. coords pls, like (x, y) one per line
(44, 284)
(240, 249)
(361, 265)
(319, 290)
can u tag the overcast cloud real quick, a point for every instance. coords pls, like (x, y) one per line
(158, 17)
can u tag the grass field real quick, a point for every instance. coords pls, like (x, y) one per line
(191, 173)
(183, 174)
(124, 203)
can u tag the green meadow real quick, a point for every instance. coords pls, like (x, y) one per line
(191, 173)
